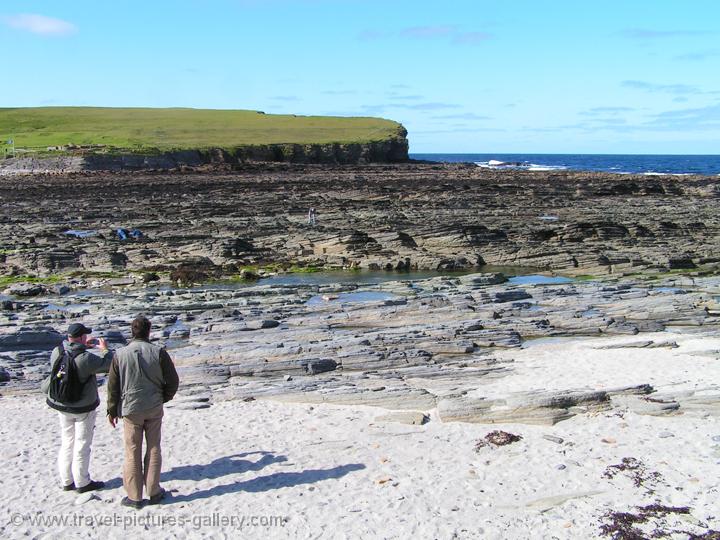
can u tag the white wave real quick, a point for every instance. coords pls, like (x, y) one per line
(496, 164)
(536, 167)
(651, 173)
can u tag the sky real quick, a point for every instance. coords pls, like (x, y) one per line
(485, 76)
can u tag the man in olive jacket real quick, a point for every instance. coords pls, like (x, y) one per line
(77, 419)
(142, 378)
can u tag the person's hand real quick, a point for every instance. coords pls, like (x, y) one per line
(102, 344)
(112, 420)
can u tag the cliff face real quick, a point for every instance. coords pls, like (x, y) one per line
(394, 150)
(390, 151)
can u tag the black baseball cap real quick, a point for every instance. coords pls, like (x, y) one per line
(76, 330)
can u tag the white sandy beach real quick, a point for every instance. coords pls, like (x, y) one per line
(335, 472)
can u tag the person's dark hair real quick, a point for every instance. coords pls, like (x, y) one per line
(141, 327)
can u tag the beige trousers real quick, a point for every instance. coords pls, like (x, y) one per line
(136, 471)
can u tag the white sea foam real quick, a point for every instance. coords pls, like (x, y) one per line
(517, 165)
(535, 167)
(665, 174)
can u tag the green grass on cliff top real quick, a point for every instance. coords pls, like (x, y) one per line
(140, 129)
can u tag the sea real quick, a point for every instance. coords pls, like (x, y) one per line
(612, 163)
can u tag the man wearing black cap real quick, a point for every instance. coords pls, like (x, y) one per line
(77, 419)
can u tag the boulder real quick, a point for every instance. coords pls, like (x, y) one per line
(45, 338)
(25, 289)
(321, 365)
(262, 324)
(60, 289)
(483, 280)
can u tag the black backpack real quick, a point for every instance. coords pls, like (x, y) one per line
(65, 385)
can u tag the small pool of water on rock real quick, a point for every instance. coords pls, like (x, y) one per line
(344, 298)
(360, 278)
(93, 293)
(672, 290)
(69, 308)
(536, 279)
(519, 275)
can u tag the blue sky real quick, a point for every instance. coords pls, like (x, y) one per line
(462, 76)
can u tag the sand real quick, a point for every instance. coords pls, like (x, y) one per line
(265, 469)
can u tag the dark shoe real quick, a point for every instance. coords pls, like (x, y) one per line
(69, 487)
(127, 501)
(92, 486)
(158, 497)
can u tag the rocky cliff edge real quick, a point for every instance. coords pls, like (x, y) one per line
(394, 150)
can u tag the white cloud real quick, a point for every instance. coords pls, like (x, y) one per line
(39, 24)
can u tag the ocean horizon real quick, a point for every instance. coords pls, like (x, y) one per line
(648, 164)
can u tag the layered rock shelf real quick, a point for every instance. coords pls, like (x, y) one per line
(382, 217)
(420, 345)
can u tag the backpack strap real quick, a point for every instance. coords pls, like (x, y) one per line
(61, 354)
(63, 351)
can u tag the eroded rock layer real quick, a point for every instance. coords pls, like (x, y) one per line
(416, 345)
(410, 216)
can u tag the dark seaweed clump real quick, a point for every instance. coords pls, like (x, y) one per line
(636, 471)
(622, 525)
(497, 438)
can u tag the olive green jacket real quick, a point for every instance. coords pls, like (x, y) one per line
(142, 377)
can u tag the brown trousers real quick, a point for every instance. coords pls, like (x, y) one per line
(138, 472)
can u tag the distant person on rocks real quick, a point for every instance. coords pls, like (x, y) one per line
(312, 217)
(71, 390)
(142, 378)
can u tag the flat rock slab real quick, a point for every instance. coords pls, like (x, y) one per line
(544, 408)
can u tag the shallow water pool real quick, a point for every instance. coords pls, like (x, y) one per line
(353, 297)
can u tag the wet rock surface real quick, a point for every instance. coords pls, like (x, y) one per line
(399, 217)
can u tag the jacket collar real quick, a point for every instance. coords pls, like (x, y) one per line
(74, 346)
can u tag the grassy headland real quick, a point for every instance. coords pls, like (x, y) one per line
(146, 130)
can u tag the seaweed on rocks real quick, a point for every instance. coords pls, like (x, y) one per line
(186, 275)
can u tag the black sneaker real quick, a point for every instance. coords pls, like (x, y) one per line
(92, 486)
(69, 487)
(127, 501)
(158, 497)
